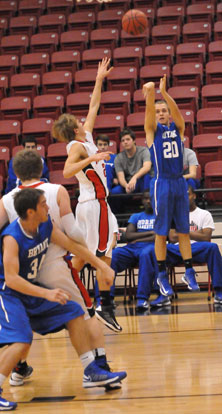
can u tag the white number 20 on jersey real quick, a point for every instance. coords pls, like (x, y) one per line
(170, 150)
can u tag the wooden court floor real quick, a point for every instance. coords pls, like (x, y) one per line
(173, 360)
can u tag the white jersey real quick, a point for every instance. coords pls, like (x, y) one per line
(92, 178)
(51, 191)
(201, 219)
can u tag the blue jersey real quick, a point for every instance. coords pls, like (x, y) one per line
(32, 250)
(167, 152)
(142, 222)
(110, 171)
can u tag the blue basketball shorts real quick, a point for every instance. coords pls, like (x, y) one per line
(170, 202)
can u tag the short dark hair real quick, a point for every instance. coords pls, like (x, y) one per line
(127, 131)
(27, 164)
(103, 137)
(29, 139)
(25, 199)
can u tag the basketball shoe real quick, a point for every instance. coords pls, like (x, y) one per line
(161, 301)
(94, 376)
(106, 315)
(101, 361)
(163, 282)
(190, 280)
(6, 405)
(19, 373)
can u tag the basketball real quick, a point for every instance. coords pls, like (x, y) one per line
(134, 22)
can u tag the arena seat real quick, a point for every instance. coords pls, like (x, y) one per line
(186, 97)
(91, 57)
(44, 42)
(14, 44)
(113, 102)
(203, 12)
(78, 103)
(67, 60)
(159, 55)
(49, 106)
(109, 124)
(56, 156)
(74, 40)
(58, 82)
(128, 56)
(33, 8)
(215, 50)
(209, 120)
(9, 133)
(15, 108)
(153, 73)
(104, 38)
(212, 95)
(59, 7)
(22, 25)
(122, 78)
(214, 72)
(187, 74)
(191, 52)
(85, 80)
(40, 129)
(170, 15)
(208, 147)
(34, 62)
(49, 23)
(111, 18)
(197, 32)
(83, 20)
(25, 84)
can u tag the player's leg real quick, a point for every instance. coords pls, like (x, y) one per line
(15, 330)
(163, 209)
(105, 312)
(93, 374)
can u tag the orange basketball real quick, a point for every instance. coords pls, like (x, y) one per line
(134, 22)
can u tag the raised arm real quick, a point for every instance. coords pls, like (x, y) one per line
(102, 72)
(174, 110)
(150, 114)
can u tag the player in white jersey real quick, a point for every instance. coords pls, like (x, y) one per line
(93, 213)
(55, 270)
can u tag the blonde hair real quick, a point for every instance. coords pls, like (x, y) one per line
(63, 128)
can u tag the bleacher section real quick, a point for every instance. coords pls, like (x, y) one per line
(49, 52)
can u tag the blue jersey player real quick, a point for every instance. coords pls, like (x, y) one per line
(168, 189)
(26, 306)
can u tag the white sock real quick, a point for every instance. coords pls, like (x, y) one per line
(2, 379)
(99, 352)
(87, 358)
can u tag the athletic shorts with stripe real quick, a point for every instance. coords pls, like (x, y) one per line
(61, 274)
(95, 219)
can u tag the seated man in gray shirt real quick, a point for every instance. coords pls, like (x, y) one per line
(190, 165)
(132, 165)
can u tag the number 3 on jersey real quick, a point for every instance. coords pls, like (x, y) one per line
(35, 267)
(170, 149)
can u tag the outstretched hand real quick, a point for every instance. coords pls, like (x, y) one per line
(147, 87)
(101, 156)
(162, 86)
(103, 70)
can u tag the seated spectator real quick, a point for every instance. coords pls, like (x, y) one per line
(102, 143)
(140, 237)
(190, 164)
(28, 143)
(203, 251)
(132, 165)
